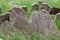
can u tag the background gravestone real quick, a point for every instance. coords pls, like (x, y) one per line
(18, 20)
(35, 7)
(25, 8)
(54, 11)
(42, 23)
(46, 7)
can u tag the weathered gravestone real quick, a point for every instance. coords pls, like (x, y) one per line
(42, 23)
(4, 17)
(18, 20)
(35, 7)
(46, 7)
(57, 17)
(6, 28)
(9, 30)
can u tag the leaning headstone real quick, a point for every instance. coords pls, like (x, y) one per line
(18, 20)
(57, 17)
(35, 7)
(42, 23)
(46, 7)
(4, 17)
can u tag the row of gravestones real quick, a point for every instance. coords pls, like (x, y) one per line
(40, 21)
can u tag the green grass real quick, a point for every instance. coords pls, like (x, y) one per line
(53, 3)
(27, 3)
(17, 35)
(4, 4)
(58, 23)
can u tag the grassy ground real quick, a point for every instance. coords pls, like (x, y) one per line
(58, 23)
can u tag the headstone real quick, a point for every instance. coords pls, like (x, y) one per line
(57, 17)
(42, 23)
(54, 11)
(18, 20)
(4, 17)
(6, 28)
(46, 7)
(35, 7)
(16, 11)
(25, 8)
(10, 31)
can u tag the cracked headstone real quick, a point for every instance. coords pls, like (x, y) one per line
(46, 7)
(42, 23)
(18, 20)
(35, 7)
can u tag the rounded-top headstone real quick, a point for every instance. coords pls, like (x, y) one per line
(18, 19)
(46, 7)
(35, 6)
(16, 11)
(42, 23)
